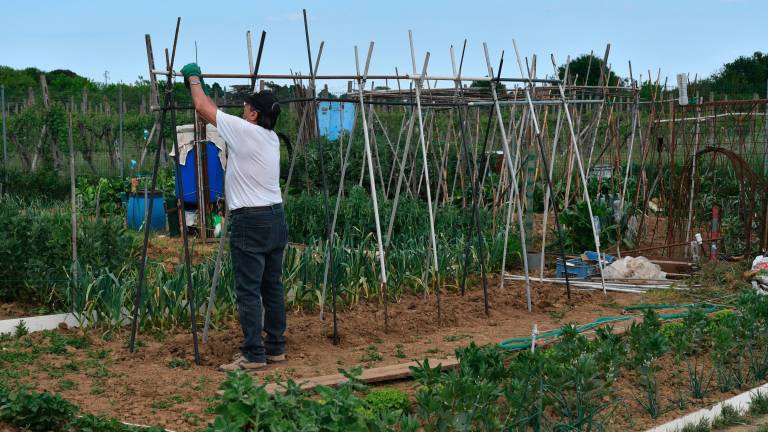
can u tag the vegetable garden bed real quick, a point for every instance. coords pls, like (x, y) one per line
(160, 385)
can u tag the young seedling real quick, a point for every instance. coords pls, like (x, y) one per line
(21, 329)
(371, 355)
(399, 353)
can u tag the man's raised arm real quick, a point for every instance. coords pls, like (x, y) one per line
(203, 104)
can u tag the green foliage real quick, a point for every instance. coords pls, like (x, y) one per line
(577, 226)
(20, 329)
(179, 363)
(729, 416)
(588, 68)
(740, 78)
(647, 344)
(246, 406)
(36, 412)
(37, 240)
(388, 400)
(41, 185)
(701, 426)
(758, 404)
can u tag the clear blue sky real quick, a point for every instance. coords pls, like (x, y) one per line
(90, 37)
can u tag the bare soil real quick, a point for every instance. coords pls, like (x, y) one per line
(142, 388)
(18, 310)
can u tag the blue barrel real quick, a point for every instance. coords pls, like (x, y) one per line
(189, 175)
(135, 211)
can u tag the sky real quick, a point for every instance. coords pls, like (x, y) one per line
(91, 37)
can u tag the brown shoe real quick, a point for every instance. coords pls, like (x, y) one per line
(276, 358)
(241, 363)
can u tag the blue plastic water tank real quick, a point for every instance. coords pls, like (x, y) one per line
(332, 117)
(189, 175)
(135, 211)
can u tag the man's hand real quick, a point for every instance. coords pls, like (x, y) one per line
(191, 70)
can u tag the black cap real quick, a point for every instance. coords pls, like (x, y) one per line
(264, 102)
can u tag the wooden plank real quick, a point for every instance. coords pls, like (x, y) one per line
(369, 376)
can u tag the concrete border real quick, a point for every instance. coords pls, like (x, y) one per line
(39, 323)
(741, 402)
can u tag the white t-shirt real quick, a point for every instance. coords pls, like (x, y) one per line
(253, 163)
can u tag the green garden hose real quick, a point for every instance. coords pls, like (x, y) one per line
(523, 343)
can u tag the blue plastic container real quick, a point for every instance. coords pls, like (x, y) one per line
(189, 175)
(332, 117)
(581, 269)
(135, 211)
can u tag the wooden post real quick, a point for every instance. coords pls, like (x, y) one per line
(121, 111)
(5, 139)
(73, 212)
(84, 103)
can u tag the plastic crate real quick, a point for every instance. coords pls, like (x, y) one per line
(577, 268)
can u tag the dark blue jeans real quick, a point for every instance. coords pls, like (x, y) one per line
(258, 238)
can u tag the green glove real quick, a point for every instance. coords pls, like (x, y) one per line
(191, 69)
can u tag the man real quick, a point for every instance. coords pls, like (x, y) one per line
(259, 232)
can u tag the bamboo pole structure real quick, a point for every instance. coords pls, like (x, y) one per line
(513, 176)
(372, 179)
(433, 241)
(587, 198)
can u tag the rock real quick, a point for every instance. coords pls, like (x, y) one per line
(63, 326)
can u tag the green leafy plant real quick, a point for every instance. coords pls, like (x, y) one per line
(647, 344)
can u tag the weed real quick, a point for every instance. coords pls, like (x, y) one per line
(701, 426)
(66, 384)
(100, 354)
(371, 355)
(179, 363)
(192, 418)
(454, 338)
(170, 401)
(21, 329)
(758, 404)
(399, 351)
(202, 382)
(729, 416)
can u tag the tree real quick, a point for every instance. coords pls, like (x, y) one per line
(740, 78)
(586, 68)
(487, 85)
